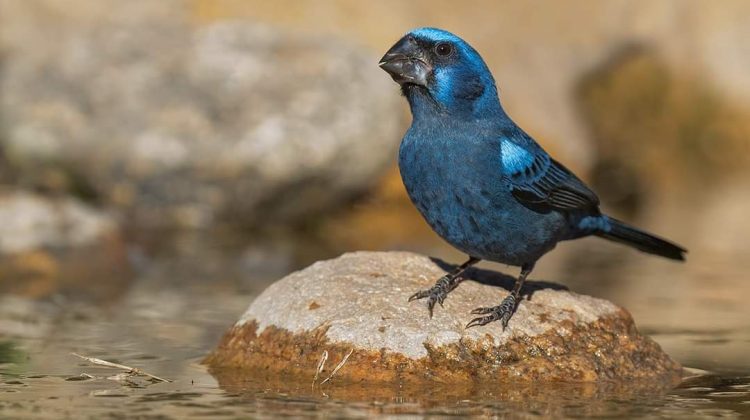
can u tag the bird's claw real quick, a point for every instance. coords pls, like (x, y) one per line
(419, 295)
(436, 293)
(501, 312)
(483, 310)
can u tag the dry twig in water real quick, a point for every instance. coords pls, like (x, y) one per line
(336, 369)
(321, 365)
(132, 370)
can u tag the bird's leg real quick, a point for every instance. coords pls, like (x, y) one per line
(443, 286)
(506, 308)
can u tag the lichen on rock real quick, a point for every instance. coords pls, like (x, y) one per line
(359, 302)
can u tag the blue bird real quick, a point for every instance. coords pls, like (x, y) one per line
(481, 182)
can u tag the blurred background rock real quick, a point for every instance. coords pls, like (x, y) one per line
(223, 143)
(177, 124)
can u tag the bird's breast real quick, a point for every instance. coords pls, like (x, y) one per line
(458, 187)
(450, 183)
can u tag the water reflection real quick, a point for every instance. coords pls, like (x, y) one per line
(195, 394)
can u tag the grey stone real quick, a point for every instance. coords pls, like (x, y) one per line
(354, 297)
(182, 125)
(31, 222)
(359, 302)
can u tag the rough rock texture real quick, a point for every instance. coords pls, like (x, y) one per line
(359, 302)
(183, 125)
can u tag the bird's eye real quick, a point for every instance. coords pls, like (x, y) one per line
(444, 49)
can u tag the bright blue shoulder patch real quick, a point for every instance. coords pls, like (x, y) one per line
(515, 158)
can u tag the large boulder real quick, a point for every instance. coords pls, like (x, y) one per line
(358, 303)
(177, 124)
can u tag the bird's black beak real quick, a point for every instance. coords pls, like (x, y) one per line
(405, 62)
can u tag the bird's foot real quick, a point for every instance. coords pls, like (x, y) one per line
(438, 292)
(501, 312)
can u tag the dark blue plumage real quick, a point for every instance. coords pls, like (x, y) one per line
(481, 182)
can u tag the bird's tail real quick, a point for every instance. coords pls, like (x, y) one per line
(625, 234)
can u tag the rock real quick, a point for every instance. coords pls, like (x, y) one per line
(32, 221)
(358, 302)
(49, 245)
(192, 126)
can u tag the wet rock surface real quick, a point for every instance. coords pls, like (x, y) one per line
(358, 303)
(177, 125)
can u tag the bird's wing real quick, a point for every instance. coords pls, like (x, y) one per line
(538, 180)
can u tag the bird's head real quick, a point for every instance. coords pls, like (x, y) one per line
(439, 70)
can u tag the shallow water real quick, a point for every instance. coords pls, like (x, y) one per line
(180, 302)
